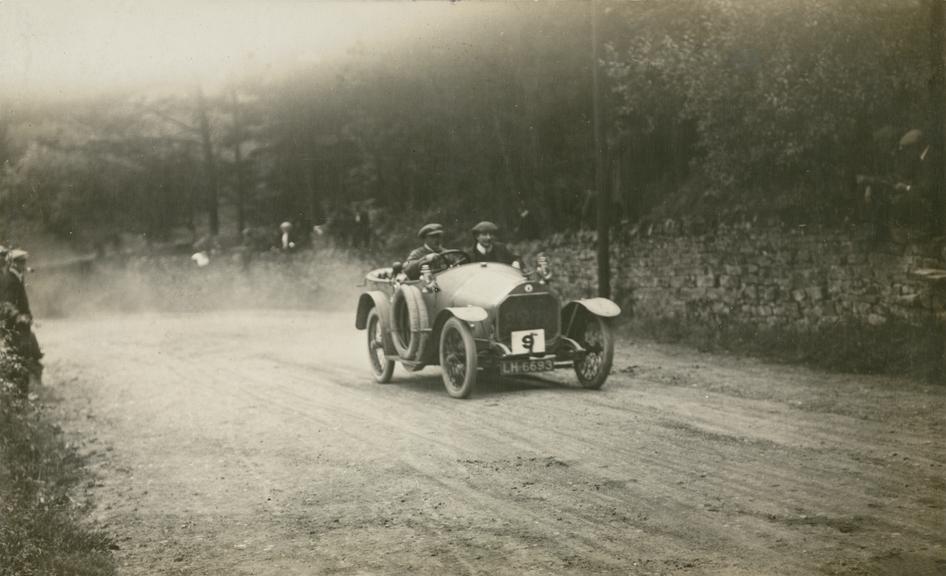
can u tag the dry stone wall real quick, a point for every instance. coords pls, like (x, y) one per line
(797, 278)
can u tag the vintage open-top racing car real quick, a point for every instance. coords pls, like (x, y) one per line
(466, 316)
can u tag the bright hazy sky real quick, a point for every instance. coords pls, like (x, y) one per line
(64, 48)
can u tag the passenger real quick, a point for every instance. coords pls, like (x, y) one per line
(432, 235)
(487, 249)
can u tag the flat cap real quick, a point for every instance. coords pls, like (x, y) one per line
(18, 254)
(429, 230)
(485, 226)
(912, 138)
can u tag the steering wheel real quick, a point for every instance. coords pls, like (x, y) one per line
(449, 259)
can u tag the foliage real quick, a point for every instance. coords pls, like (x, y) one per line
(781, 97)
(717, 105)
(40, 531)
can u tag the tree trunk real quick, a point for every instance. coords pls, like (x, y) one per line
(210, 167)
(238, 164)
(507, 164)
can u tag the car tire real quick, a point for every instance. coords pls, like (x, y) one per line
(411, 324)
(596, 337)
(382, 367)
(458, 358)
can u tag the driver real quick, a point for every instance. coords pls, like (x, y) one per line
(432, 235)
(487, 249)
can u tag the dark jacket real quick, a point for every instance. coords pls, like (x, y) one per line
(14, 306)
(413, 263)
(13, 292)
(498, 253)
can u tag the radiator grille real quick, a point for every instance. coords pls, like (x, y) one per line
(528, 312)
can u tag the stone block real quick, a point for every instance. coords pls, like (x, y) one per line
(815, 293)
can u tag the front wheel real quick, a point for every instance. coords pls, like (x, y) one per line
(458, 358)
(382, 368)
(595, 335)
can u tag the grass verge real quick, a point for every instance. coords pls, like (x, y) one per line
(897, 348)
(41, 530)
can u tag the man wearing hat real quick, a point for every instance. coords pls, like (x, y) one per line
(17, 317)
(911, 205)
(287, 241)
(487, 249)
(432, 235)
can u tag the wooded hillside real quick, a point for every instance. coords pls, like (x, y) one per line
(713, 108)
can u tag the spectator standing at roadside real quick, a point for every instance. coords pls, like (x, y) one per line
(288, 242)
(912, 203)
(17, 316)
(362, 233)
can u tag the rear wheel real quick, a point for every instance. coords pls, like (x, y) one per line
(595, 335)
(458, 358)
(382, 368)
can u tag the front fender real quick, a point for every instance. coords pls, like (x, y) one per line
(469, 314)
(598, 306)
(466, 313)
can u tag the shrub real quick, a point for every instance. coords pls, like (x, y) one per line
(40, 529)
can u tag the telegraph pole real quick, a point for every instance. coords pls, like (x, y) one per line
(937, 118)
(602, 203)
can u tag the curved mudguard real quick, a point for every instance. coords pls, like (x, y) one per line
(470, 314)
(376, 299)
(467, 313)
(598, 306)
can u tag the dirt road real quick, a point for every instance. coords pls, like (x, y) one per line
(257, 443)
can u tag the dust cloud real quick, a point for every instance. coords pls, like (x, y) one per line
(316, 280)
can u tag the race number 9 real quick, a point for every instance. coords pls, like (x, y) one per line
(528, 341)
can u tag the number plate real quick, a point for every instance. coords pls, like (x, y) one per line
(514, 367)
(528, 341)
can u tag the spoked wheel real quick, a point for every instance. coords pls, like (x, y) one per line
(380, 365)
(595, 336)
(458, 358)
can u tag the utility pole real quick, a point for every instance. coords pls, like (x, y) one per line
(937, 118)
(602, 200)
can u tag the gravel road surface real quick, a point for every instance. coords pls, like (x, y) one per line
(257, 443)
